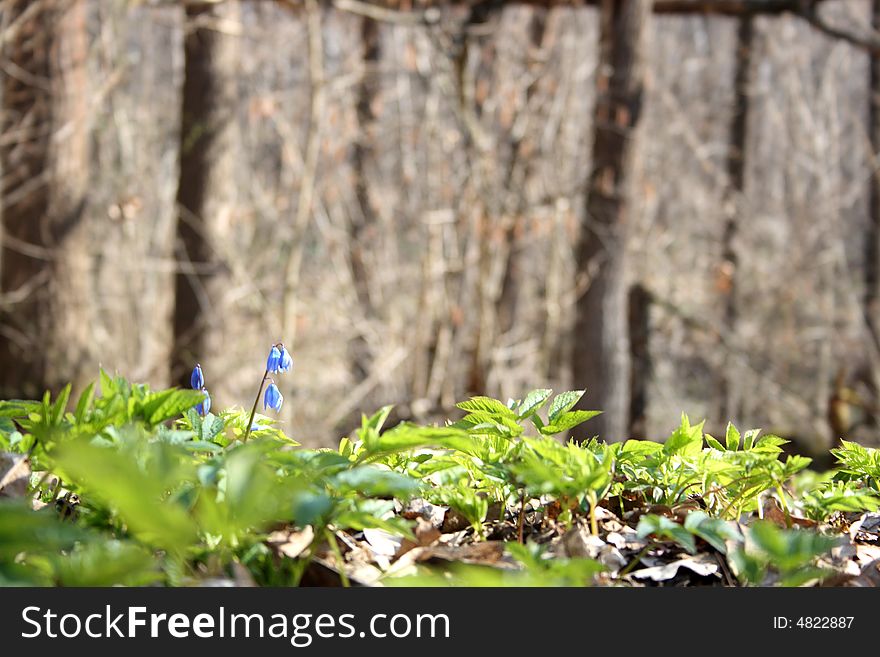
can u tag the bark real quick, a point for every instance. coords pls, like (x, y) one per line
(736, 166)
(640, 369)
(872, 239)
(365, 222)
(600, 357)
(206, 189)
(45, 308)
(516, 173)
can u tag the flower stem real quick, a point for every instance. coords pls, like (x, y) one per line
(522, 518)
(254, 409)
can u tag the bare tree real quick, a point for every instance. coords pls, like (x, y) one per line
(364, 220)
(600, 342)
(45, 307)
(206, 190)
(872, 239)
(736, 168)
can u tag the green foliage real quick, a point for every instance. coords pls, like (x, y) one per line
(663, 527)
(166, 495)
(791, 553)
(729, 477)
(715, 531)
(536, 568)
(858, 463)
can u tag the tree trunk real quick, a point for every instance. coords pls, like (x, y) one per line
(508, 298)
(363, 223)
(600, 355)
(728, 404)
(206, 190)
(872, 239)
(45, 307)
(640, 367)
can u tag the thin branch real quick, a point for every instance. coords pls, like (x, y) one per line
(865, 39)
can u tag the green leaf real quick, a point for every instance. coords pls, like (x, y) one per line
(360, 520)
(749, 438)
(377, 420)
(23, 530)
(714, 531)
(211, 427)
(84, 403)
(789, 549)
(311, 508)
(713, 443)
(108, 386)
(106, 563)
(563, 402)
(168, 404)
(686, 440)
(375, 482)
(533, 402)
(406, 436)
(666, 528)
(732, 437)
(18, 408)
(60, 405)
(137, 492)
(487, 405)
(568, 420)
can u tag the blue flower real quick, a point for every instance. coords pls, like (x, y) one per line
(273, 398)
(197, 380)
(204, 406)
(286, 360)
(279, 360)
(274, 362)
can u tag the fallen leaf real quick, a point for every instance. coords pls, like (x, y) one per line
(454, 522)
(15, 473)
(419, 508)
(870, 576)
(383, 546)
(703, 565)
(425, 533)
(774, 513)
(292, 543)
(866, 528)
(578, 542)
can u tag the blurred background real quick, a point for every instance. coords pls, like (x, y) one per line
(674, 204)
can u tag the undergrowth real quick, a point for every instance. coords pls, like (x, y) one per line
(132, 486)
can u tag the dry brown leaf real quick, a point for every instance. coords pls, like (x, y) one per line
(426, 535)
(383, 546)
(484, 553)
(433, 513)
(291, 543)
(865, 554)
(15, 473)
(454, 522)
(702, 564)
(578, 542)
(870, 576)
(774, 513)
(866, 529)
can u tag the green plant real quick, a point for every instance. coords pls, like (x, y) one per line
(790, 552)
(153, 487)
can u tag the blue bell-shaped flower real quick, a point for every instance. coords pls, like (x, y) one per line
(286, 361)
(203, 407)
(197, 379)
(273, 364)
(273, 398)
